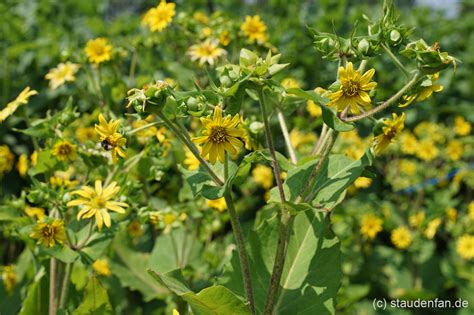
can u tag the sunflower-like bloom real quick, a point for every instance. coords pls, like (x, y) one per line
(63, 73)
(220, 135)
(354, 89)
(96, 201)
(111, 140)
(370, 225)
(263, 176)
(391, 130)
(98, 50)
(49, 233)
(21, 99)
(465, 246)
(65, 151)
(159, 17)
(401, 237)
(6, 159)
(101, 267)
(218, 204)
(254, 28)
(206, 52)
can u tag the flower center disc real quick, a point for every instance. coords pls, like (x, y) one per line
(218, 134)
(98, 202)
(351, 88)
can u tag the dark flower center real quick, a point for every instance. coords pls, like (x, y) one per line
(350, 88)
(218, 134)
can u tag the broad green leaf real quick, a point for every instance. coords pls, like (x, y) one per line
(132, 271)
(176, 249)
(215, 300)
(312, 271)
(96, 300)
(336, 175)
(329, 116)
(62, 253)
(36, 301)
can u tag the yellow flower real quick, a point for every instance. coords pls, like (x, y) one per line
(84, 134)
(416, 219)
(9, 278)
(391, 129)
(408, 167)
(206, 52)
(49, 233)
(220, 135)
(471, 210)
(298, 138)
(22, 165)
(224, 38)
(408, 143)
(65, 151)
(206, 32)
(34, 212)
(455, 150)
(401, 237)
(191, 162)
(63, 73)
(98, 50)
(465, 246)
(21, 99)
(461, 126)
(175, 312)
(362, 182)
(63, 179)
(34, 158)
(289, 83)
(111, 139)
(427, 150)
(201, 17)
(254, 28)
(218, 204)
(370, 225)
(427, 91)
(6, 159)
(263, 175)
(354, 89)
(144, 134)
(159, 17)
(432, 228)
(452, 214)
(101, 267)
(96, 202)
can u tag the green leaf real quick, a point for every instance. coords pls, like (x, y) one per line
(62, 253)
(336, 175)
(36, 301)
(215, 300)
(132, 273)
(329, 116)
(196, 180)
(164, 257)
(46, 161)
(312, 272)
(96, 300)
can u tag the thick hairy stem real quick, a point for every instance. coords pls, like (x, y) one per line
(321, 141)
(65, 286)
(243, 257)
(286, 136)
(191, 147)
(285, 217)
(52, 287)
(388, 102)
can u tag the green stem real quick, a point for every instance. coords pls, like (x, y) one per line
(285, 217)
(286, 136)
(396, 60)
(243, 257)
(52, 286)
(65, 286)
(191, 147)
(387, 103)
